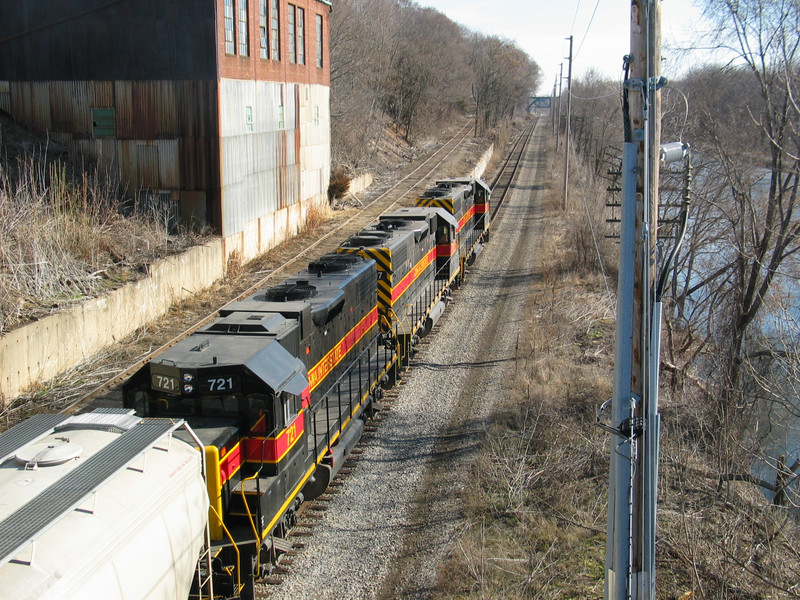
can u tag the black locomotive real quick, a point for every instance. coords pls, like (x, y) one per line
(278, 387)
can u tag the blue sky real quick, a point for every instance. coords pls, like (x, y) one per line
(540, 28)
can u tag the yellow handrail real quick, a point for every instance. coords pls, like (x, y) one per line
(239, 585)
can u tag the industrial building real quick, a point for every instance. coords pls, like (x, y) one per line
(218, 109)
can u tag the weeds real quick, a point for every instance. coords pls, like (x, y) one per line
(536, 505)
(63, 238)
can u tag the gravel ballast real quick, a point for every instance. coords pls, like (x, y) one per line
(396, 514)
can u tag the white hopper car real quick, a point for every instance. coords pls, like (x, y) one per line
(100, 505)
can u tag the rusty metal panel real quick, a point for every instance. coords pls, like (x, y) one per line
(256, 178)
(101, 94)
(281, 161)
(150, 164)
(5, 97)
(123, 105)
(30, 104)
(315, 150)
(69, 106)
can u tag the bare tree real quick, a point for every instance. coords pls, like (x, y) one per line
(503, 78)
(596, 119)
(745, 118)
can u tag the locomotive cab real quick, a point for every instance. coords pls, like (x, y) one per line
(245, 397)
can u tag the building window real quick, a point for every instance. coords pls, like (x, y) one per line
(275, 30)
(319, 41)
(243, 29)
(263, 28)
(230, 42)
(281, 118)
(301, 36)
(248, 118)
(316, 115)
(292, 33)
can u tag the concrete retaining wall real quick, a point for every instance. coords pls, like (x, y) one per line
(41, 350)
(480, 167)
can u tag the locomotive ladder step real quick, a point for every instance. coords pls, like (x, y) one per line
(281, 544)
(251, 487)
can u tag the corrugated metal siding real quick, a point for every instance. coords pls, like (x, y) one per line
(272, 167)
(102, 94)
(148, 109)
(315, 156)
(5, 96)
(260, 167)
(166, 131)
(69, 106)
(150, 163)
(30, 104)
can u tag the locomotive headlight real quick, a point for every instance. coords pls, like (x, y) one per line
(188, 388)
(188, 377)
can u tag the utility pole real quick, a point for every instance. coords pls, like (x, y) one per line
(630, 546)
(569, 114)
(560, 96)
(553, 108)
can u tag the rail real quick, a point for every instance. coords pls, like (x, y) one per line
(431, 164)
(508, 172)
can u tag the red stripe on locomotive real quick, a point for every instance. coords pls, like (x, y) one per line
(466, 217)
(321, 370)
(413, 274)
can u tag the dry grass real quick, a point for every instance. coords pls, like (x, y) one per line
(64, 237)
(536, 505)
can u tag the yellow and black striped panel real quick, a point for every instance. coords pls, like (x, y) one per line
(445, 203)
(383, 257)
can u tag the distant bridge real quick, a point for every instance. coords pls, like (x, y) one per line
(539, 102)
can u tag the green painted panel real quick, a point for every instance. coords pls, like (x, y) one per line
(103, 123)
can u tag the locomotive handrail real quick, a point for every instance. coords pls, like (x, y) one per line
(238, 570)
(258, 503)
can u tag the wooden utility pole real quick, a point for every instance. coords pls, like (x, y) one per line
(566, 138)
(560, 96)
(630, 550)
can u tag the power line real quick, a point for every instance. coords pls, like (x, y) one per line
(589, 26)
(575, 17)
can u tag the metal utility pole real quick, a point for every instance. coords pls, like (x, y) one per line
(553, 109)
(569, 113)
(630, 546)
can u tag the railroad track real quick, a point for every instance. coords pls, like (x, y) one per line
(313, 512)
(508, 171)
(404, 190)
